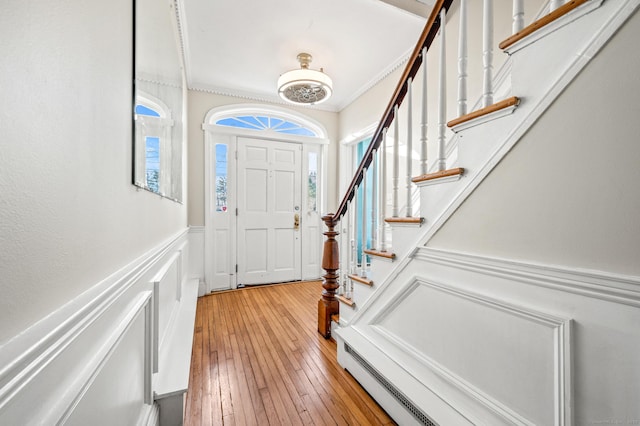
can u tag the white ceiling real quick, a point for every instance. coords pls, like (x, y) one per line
(240, 47)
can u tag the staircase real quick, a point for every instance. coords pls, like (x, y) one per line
(442, 336)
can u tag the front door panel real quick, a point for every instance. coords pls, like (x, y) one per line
(269, 199)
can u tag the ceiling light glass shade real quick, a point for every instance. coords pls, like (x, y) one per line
(305, 86)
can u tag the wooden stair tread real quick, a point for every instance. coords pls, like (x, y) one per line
(438, 175)
(545, 20)
(346, 301)
(361, 280)
(385, 254)
(506, 103)
(407, 220)
(335, 318)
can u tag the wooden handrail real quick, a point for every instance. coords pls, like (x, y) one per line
(426, 38)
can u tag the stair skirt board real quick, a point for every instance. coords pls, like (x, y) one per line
(401, 398)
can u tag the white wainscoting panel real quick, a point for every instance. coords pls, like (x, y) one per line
(505, 342)
(312, 257)
(222, 257)
(196, 256)
(103, 399)
(91, 361)
(516, 352)
(166, 292)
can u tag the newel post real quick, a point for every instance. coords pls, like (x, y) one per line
(328, 304)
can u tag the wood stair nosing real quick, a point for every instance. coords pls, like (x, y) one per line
(438, 175)
(405, 220)
(383, 254)
(506, 103)
(348, 302)
(361, 280)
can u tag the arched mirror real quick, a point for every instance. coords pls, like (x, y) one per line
(158, 100)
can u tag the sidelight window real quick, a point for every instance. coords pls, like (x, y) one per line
(221, 177)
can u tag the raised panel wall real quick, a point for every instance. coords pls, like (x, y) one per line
(92, 361)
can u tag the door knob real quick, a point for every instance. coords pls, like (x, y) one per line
(296, 221)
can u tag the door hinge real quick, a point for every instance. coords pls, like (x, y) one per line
(236, 154)
(236, 211)
(236, 268)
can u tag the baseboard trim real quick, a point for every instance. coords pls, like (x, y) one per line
(150, 416)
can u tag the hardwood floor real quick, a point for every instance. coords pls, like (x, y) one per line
(258, 360)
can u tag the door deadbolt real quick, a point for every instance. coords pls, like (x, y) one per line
(296, 221)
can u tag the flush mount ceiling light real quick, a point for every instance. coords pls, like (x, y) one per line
(305, 86)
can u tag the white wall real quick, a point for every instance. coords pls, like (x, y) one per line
(69, 215)
(79, 244)
(368, 107)
(568, 192)
(200, 103)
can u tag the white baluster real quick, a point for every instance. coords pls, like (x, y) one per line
(396, 164)
(462, 60)
(383, 192)
(487, 53)
(363, 259)
(554, 4)
(442, 96)
(341, 263)
(350, 289)
(374, 200)
(345, 247)
(354, 266)
(352, 238)
(409, 147)
(423, 122)
(518, 15)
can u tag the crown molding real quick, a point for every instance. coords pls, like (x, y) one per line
(254, 97)
(183, 42)
(402, 60)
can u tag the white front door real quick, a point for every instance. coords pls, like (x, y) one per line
(269, 194)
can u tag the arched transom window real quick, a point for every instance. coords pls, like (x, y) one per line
(267, 122)
(154, 127)
(268, 119)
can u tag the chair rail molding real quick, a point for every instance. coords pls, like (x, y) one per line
(607, 286)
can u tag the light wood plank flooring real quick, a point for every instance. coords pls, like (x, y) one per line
(258, 360)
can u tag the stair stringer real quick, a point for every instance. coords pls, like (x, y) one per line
(478, 157)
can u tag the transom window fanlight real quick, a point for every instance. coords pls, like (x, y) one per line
(305, 86)
(264, 122)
